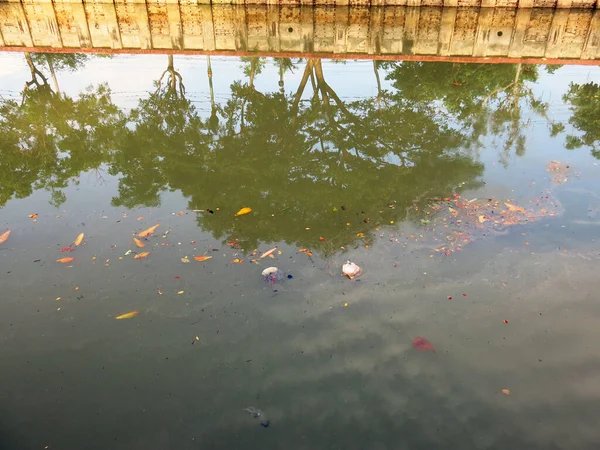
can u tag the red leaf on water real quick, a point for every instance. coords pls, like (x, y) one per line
(423, 345)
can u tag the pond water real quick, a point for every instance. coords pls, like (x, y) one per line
(468, 195)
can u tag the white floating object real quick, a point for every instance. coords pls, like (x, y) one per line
(272, 274)
(351, 270)
(269, 271)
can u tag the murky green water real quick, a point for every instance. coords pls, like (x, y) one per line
(468, 194)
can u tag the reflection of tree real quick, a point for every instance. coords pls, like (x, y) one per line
(58, 62)
(163, 129)
(585, 105)
(296, 158)
(48, 140)
(483, 98)
(297, 162)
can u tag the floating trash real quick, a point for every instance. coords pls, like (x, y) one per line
(258, 414)
(351, 270)
(272, 275)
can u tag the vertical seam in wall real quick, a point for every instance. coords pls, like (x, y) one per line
(27, 23)
(149, 27)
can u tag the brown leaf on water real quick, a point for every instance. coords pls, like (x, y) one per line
(129, 315)
(202, 258)
(267, 253)
(243, 211)
(65, 260)
(4, 236)
(514, 208)
(149, 231)
(79, 240)
(141, 255)
(506, 391)
(33, 216)
(139, 243)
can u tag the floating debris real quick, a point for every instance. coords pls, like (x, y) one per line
(129, 315)
(243, 211)
(455, 221)
(558, 172)
(79, 240)
(4, 236)
(272, 275)
(351, 270)
(149, 231)
(423, 345)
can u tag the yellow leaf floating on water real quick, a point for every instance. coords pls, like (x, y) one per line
(4, 236)
(243, 211)
(139, 243)
(65, 260)
(481, 218)
(180, 292)
(149, 231)
(514, 208)
(129, 315)
(141, 255)
(79, 240)
(202, 258)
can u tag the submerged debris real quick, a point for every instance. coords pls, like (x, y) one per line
(258, 414)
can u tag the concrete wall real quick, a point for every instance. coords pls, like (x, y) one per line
(366, 3)
(344, 31)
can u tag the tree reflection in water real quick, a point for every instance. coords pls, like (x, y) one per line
(310, 162)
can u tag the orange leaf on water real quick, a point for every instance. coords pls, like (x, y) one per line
(128, 315)
(139, 243)
(4, 236)
(202, 258)
(79, 240)
(267, 253)
(506, 391)
(149, 231)
(65, 260)
(243, 211)
(141, 255)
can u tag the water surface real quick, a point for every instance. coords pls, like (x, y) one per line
(467, 193)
